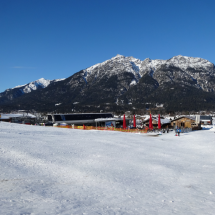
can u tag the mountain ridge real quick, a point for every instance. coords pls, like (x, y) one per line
(128, 83)
(15, 92)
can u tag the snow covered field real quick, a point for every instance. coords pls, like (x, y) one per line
(45, 170)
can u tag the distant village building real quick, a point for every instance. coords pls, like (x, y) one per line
(23, 118)
(186, 122)
(4, 119)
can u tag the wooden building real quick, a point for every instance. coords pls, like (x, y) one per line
(186, 122)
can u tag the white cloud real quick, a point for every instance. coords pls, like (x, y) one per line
(22, 67)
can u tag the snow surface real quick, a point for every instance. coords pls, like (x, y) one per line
(133, 82)
(46, 170)
(17, 87)
(56, 80)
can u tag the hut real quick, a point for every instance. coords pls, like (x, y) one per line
(186, 122)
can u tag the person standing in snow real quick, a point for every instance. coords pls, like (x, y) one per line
(179, 131)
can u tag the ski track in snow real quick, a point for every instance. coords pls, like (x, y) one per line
(63, 171)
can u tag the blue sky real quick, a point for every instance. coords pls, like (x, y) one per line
(57, 38)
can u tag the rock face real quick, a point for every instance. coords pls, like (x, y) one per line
(188, 71)
(181, 82)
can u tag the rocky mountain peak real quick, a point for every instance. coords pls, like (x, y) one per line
(185, 62)
(119, 56)
(147, 60)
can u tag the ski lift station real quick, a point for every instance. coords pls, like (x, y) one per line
(88, 119)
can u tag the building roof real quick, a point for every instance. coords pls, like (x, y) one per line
(205, 117)
(108, 119)
(8, 116)
(188, 117)
(163, 121)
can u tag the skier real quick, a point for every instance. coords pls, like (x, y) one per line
(176, 131)
(179, 131)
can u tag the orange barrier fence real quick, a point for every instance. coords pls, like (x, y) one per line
(104, 128)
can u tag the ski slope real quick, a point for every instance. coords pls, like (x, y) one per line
(46, 170)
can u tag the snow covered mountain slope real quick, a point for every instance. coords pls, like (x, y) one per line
(115, 66)
(196, 72)
(17, 91)
(34, 85)
(41, 83)
(188, 71)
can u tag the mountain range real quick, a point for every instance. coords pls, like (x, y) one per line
(122, 83)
